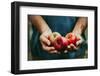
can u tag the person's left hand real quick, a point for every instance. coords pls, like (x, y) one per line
(72, 47)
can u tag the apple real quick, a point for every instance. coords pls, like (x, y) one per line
(64, 41)
(72, 38)
(57, 44)
(60, 43)
(55, 40)
(52, 37)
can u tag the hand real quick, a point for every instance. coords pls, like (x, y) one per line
(72, 47)
(46, 43)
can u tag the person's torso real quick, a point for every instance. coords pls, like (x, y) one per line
(61, 24)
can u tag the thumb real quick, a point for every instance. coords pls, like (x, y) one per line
(80, 41)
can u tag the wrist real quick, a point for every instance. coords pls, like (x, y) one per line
(48, 30)
(77, 32)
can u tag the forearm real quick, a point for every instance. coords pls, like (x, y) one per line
(80, 25)
(39, 23)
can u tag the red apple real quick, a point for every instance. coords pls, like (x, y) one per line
(60, 43)
(72, 38)
(53, 36)
(64, 42)
(57, 46)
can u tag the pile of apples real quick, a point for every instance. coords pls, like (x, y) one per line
(60, 43)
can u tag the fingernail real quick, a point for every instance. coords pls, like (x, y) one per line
(65, 51)
(68, 46)
(53, 51)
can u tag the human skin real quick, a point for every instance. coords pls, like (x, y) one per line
(79, 28)
(45, 31)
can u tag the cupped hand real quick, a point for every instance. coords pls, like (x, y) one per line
(45, 42)
(71, 46)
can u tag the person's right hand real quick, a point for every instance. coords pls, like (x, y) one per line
(45, 42)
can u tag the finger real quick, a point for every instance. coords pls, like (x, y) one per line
(79, 42)
(73, 47)
(54, 51)
(45, 40)
(66, 51)
(47, 48)
(68, 47)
